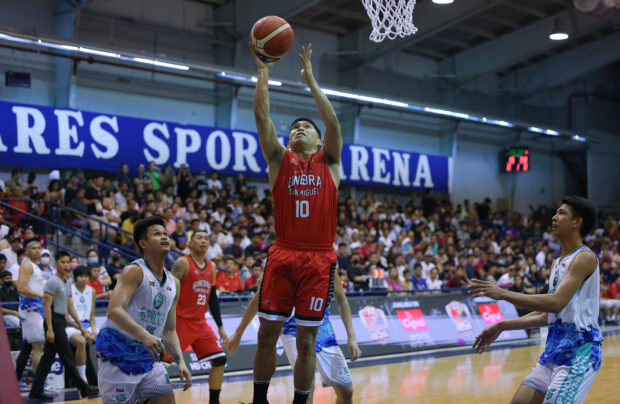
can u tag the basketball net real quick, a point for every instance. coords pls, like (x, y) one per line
(390, 18)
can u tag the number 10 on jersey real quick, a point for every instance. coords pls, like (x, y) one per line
(302, 208)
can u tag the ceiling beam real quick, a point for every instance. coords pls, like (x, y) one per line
(428, 17)
(343, 12)
(565, 67)
(323, 26)
(449, 41)
(516, 46)
(419, 50)
(495, 19)
(245, 13)
(526, 9)
(476, 31)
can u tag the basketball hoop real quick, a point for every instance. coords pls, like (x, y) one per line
(390, 18)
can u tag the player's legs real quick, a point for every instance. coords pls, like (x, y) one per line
(207, 347)
(80, 349)
(335, 373)
(32, 331)
(527, 395)
(305, 365)
(155, 386)
(265, 357)
(534, 387)
(289, 343)
(571, 384)
(37, 353)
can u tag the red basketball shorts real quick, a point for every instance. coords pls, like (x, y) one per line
(201, 337)
(297, 279)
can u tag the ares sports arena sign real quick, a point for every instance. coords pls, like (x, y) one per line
(38, 136)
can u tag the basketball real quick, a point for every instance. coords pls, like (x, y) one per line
(272, 36)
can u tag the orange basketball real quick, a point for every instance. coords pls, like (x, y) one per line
(272, 36)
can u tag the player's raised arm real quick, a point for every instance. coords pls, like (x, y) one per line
(333, 139)
(272, 149)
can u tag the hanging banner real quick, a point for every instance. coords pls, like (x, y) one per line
(38, 136)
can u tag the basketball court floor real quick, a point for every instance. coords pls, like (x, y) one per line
(439, 377)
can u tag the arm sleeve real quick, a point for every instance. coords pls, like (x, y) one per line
(214, 307)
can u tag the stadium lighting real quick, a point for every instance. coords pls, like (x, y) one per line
(443, 1)
(98, 52)
(558, 33)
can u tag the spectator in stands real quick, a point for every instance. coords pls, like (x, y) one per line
(14, 269)
(458, 280)
(127, 226)
(54, 194)
(47, 270)
(10, 253)
(508, 278)
(3, 263)
(179, 236)
(9, 294)
(14, 181)
(229, 281)
(427, 264)
(428, 202)
(246, 270)
(92, 259)
(542, 256)
(434, 283)
(214, 252)
(419, 283)
(393, 280)
(185, 182)
(95, 283)
(214, 183)
(343, 259)
(77, 203)
(141, 179)
(406, 283)
(368, 248)
(154, 174)
(254, 249)
(257, 275)
(235, 249)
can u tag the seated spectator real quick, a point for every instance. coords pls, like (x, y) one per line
(10, 254)
(114, 267)
(406, 283)
(393, 280)
(343, 259)
(357, 274)
(419, 283)
(47, 270)
(92, 259)
(434, 283)
(14, 269)
(179, 236)
(214, 252)
(257, 275)
(255, 250)
(95, 283)
(458, 280)
(229, 281)
(9, 294)
(235, 249)
(246, 270)
(507, 279)
(2, 263)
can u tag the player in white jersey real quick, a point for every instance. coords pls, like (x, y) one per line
(572, 357)
(141, 312)
(30, 285)
(83, 297)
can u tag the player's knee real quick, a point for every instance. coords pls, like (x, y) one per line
(267, 336)
(79, 342)
(219, 361)
(344, 393)
(306, 344)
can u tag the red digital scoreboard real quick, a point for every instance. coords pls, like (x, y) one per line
(515, 160)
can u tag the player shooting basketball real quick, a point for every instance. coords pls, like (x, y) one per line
(300, 268)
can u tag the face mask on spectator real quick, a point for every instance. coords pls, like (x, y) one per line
(74, 265)
(93, 261)
(45, 260)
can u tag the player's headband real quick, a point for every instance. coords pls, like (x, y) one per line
(311, 122)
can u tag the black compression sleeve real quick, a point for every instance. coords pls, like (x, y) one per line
(214, 307)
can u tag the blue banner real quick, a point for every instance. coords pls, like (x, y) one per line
(38, 136)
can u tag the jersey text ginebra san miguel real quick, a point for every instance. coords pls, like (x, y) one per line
(195, 291)
(305, 202)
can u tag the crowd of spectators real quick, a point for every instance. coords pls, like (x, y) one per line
(424, 244)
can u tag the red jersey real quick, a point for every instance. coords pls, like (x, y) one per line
(612, 291)
(305, 201)
(195, 290)
(97, 286)
(230, 284)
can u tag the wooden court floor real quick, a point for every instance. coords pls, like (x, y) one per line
(488, 378)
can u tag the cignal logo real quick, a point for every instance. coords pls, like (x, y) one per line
(412, 319)
(459, 314)
(490, 312)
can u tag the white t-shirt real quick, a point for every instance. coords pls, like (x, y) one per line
(540, 259)
(11, 257)
(213, 251)
(434, 285)
(506, 279)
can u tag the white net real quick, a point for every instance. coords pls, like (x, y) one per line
(390, 18)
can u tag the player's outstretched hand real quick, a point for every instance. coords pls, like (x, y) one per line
(185, 375)
(485, 288)
(306, 72)
(154, 345)
(355, 350)
(486, 337)
(261, 63)
(232, 343)
(223, 335)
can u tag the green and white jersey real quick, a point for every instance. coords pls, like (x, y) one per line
(150, 303)
(82, 301)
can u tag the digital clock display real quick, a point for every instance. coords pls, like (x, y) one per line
(515, 159)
